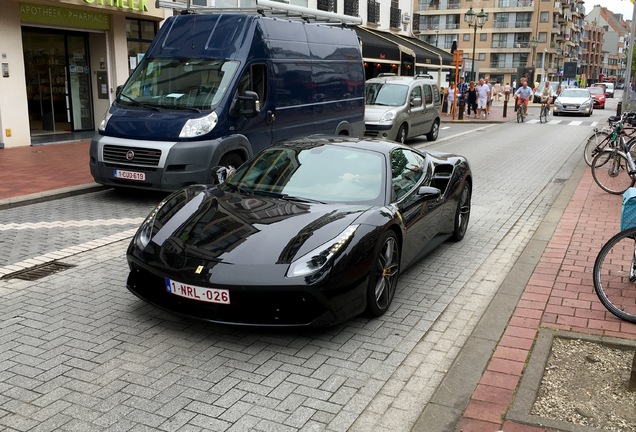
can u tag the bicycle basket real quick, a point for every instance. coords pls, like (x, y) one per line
(628, 213)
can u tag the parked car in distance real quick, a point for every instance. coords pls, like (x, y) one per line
(573, 101)
(609, 90)
(598, 95)
(401, 107)
(308, 232)
(537, 94)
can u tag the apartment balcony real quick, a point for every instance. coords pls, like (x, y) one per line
(523, 24)
(557, 6)
(506, 4)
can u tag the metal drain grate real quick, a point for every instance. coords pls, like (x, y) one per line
(558, 180)
(39, 271)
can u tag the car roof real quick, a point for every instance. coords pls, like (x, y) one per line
(374, 144)
(406, 80)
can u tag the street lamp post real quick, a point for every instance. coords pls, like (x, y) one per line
(533, 43)
(558, 51)
(475, 20)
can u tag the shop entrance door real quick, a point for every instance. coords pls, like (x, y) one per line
(58, 81)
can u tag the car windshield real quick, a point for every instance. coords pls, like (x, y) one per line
(178, 83)
(324, 173)
(386, 94)
(575, 93)
(596, 90)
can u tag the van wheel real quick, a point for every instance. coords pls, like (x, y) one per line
(231, 159)
(432, 135)
(402, 134)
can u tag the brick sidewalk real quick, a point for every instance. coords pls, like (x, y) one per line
(559, 295)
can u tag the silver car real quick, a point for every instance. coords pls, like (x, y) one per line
(402, 107)
(574, 101)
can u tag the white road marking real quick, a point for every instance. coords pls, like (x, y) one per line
(71, 224)
(575, 123)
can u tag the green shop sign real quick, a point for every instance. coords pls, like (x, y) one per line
(42, 14)
(133, 5)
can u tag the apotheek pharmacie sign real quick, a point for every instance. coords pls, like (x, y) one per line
(134, 5)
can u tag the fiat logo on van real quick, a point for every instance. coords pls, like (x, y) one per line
(130, 155)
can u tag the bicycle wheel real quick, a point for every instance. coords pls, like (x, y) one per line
(615, 275)
(610, 172)
(596, 142)
(519, 115)
(543, 115)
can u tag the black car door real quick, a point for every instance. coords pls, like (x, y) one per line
(410, 171)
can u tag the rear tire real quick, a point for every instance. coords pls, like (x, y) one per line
(609, 170)
(462, 214)
(384, 275)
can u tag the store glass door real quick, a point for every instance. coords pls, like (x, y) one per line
(58, 81)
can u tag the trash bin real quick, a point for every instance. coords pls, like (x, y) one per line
(628, 213)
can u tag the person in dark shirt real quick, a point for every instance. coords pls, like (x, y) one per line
(471, 95)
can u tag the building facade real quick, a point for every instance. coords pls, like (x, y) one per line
(592, 53)
(62, 61)
(615, 40)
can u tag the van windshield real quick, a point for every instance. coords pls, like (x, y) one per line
(177, 83)
(386, 94)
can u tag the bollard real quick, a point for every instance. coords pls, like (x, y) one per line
(516, 104)
(462, 104)
(505, 109)
(619, 108)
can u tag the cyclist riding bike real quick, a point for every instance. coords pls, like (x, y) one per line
(523, 94)
(547, 93)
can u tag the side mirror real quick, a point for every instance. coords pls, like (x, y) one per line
(221, 173)
(429, 193)
(118, 90)
(415, 102)
(246, 104)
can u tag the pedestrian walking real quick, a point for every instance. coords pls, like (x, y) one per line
(491, 96)
(461, 92)
(471, 96)
(497, 90)
(483, 95)
(451, 99)
(507, 92)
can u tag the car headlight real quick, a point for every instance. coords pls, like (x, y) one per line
(388, 116)
(104, 122)
(199, 126)
(586, 103)
(319, 257)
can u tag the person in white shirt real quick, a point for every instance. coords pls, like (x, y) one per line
(483, 95)
(547, 93)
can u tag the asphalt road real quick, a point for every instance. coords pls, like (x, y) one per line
(79, 352)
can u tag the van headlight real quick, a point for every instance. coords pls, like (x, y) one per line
(388, 116)
(199, 126)
(322, 255)
(104, 122)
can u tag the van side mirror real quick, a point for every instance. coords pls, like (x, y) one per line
(415, 102)
(118, 90)
(246, 104)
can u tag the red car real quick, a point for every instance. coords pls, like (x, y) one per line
(598, 94)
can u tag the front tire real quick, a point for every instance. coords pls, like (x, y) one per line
(595, 143)
(615, 275)
(434, 133)
(231, 159)
(384, 275)
(402, 133)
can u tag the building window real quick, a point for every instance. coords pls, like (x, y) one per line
(544, 17)
(351, 7)
(395, 19)
(373, 11)
(481, 56)
(466, 37)
(325, 5)
(543, 37)
(139, 35)
(483, 37)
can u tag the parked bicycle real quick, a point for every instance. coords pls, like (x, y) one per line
(613, 168)
(615, 275)
(601, 139)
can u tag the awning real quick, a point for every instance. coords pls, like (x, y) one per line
(425, 54)
(375, 47)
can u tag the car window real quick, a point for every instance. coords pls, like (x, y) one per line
(407, 168)
(415, 94)
(386, 94)
(428, 94)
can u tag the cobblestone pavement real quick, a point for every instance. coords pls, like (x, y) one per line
(79, 352)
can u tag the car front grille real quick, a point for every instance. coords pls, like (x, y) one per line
(132, 155)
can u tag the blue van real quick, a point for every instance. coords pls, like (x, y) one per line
(214, 89)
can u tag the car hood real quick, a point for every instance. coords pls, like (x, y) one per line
(235, 228)
(373, 113)
(571, 100)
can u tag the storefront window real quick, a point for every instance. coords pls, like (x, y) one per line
(139, 35)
